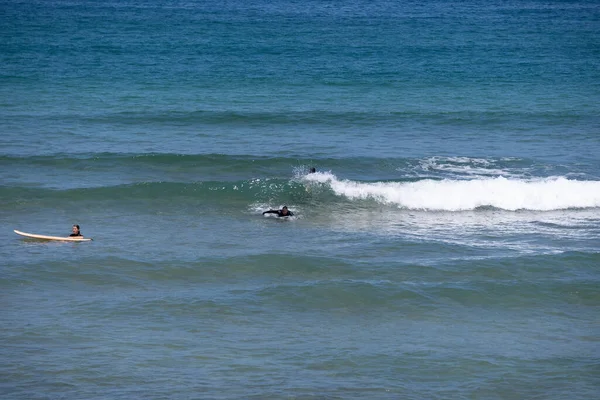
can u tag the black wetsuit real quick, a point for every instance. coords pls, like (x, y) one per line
(279, 213)
(76, 234)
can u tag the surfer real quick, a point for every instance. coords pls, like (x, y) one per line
(284, 212)
(312, 170)
(76, 231)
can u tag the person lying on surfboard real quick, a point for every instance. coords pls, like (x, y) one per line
(76, 231)
(284, 212)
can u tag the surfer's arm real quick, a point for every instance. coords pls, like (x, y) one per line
(271, 212)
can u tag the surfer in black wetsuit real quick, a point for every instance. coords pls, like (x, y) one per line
(76, 231)
(284, 212)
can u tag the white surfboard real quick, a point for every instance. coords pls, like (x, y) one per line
(45, 237)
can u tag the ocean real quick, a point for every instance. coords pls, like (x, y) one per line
(447, 246)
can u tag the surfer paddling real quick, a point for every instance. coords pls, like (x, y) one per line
(76, 231)
(284, 212)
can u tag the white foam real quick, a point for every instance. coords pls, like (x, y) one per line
(544, 194)
(465, 166)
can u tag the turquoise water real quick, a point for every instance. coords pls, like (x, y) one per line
(446, 247)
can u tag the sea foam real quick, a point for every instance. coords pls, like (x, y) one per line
(543, 194)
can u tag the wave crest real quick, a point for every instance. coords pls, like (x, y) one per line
(544, 194)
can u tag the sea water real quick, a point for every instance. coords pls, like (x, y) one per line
(448, 245)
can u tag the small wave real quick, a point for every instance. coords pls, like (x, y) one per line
(542, 194)
(241, 117)
(467, 167)
(259, 194)
(324, 188)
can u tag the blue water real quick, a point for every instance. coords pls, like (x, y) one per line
(446, 247)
